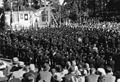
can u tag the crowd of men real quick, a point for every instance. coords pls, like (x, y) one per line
(88, 53)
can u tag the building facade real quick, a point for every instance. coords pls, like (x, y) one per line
(28, 19)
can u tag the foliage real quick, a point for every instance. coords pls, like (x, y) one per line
(73, 9)
(7, 5)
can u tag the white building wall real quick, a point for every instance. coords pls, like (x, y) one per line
(26, 19)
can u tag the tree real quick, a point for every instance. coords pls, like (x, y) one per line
(75, 8)
(20, 4)
(7, 5)
(36, 4)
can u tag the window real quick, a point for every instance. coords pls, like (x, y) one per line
(44, 16)
(21, 16)
(26, 16)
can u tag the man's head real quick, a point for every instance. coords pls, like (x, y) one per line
(53, 71)
(21, 64)
(73, 63)
(101, 71)
(108, 69)
(15, 60)
(32, 67)
(92, 70)
(58, 68)
(72, 69)
(46, 67)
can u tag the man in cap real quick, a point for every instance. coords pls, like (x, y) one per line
(70, 77)
(3, 77)
(15, 64)
(45, 75)
(109, 75)
(92, 77)
(32, 75)
(19, 74)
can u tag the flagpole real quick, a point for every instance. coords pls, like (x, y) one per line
(11, 16)
(60, 10)
(60, 14)
(45, 11)
(18, 13)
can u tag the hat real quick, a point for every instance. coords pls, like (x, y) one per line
(65, 71)
(21, 64)
(32, 67)
(87, 66)
(3, 65)
(95, 49)
(15, 60)
(68, 63)
(1, 74)
(102, 71)
(79, 39)
(73, 63)
(118, 80)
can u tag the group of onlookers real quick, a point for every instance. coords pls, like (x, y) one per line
(94, 48)
(70, 72)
